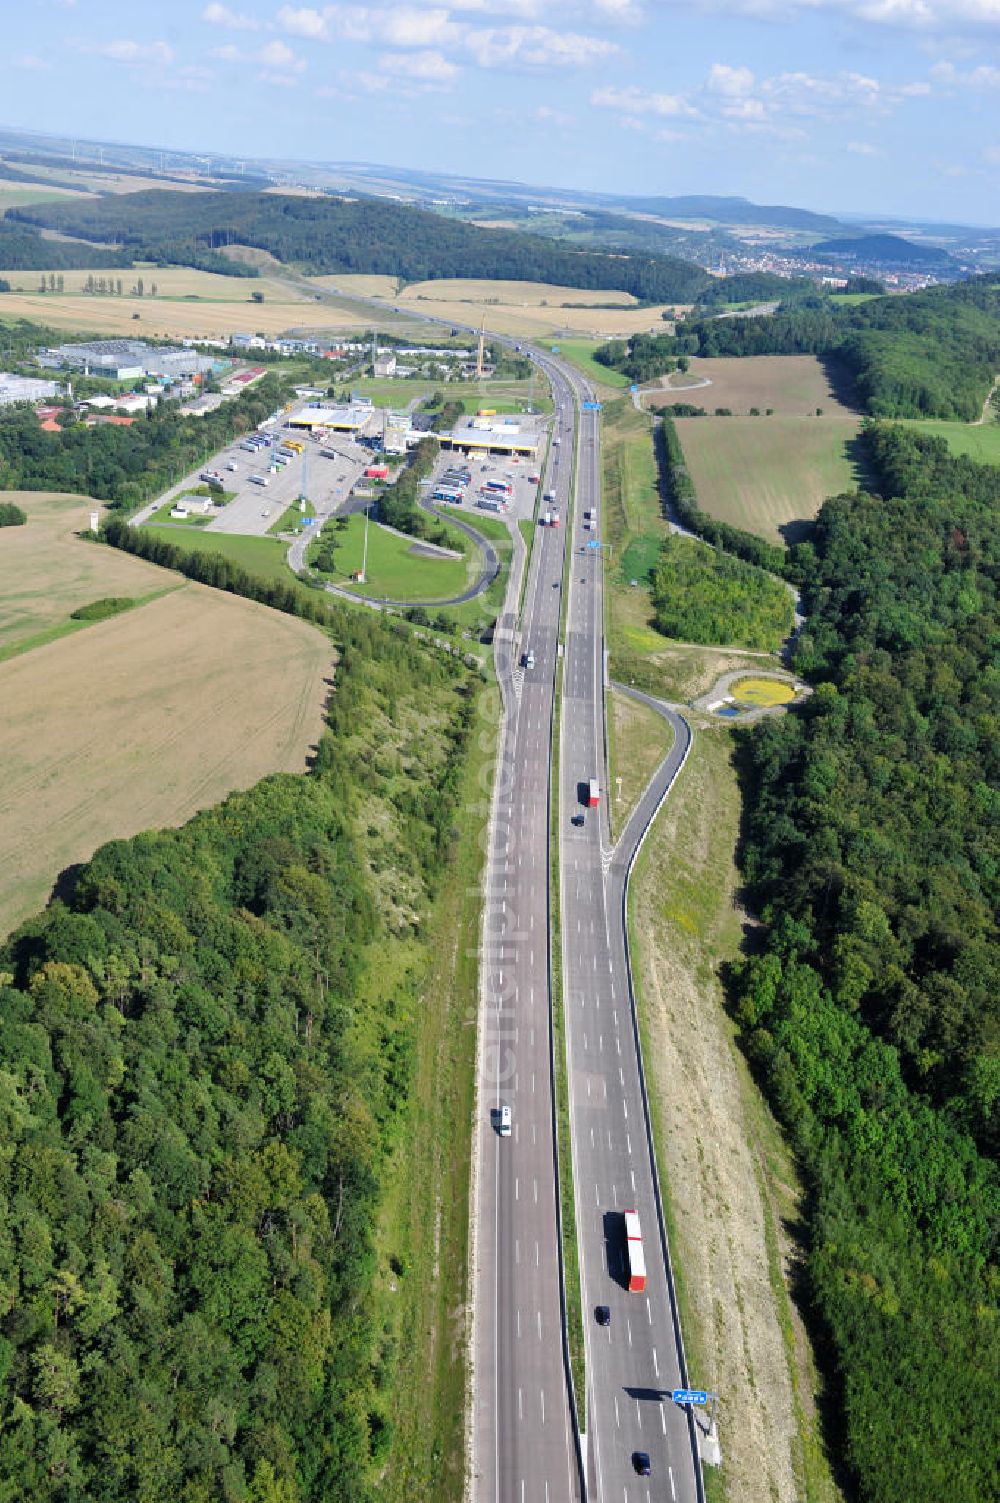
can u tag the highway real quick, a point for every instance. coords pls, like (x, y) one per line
(525, 1441)
(525, 1447)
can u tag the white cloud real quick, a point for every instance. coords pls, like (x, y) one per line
(983, 77)
(432, 28)
(863, 149)
(731, 82)
(124, 50)
(634, 102)
(941, 16)
(279, 55)
(221, 15)
(425, 67)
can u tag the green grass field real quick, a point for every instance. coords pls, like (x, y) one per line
(393, 569)
(502, 396)
(766, 473)
(580, 352)
(980, 442)
(264, 557)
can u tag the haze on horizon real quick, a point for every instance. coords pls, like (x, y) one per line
(883, 107)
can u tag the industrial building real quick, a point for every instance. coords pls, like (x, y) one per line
(126, 359)
(24, 389)
(489, 434)
(354, 419)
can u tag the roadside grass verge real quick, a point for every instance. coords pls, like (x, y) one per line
(424, 1224)
(638, 740)
(732, 1196)
(259, 555)
(580, 352)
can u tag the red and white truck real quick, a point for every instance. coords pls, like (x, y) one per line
(636, 1255)
(593, 799)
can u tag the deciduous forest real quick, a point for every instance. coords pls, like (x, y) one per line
(205, 1059)
(872, 852)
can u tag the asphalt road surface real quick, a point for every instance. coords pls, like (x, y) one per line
(525, 1447)
(635, 1361)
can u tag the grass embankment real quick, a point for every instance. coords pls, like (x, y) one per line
(638, 740)
(262, 556)
(395, 567)
(424, 1222)
(291, 518)
(729, 1181)
(580, 352)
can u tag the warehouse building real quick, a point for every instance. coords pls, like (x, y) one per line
(488, 434)
(126, 359)
(24, 389)
(354, 419)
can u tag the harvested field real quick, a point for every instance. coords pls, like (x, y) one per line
(171, 282)
(768, 474)
(513, 294)
(359, 284)
(141, 720)
(794, 385)
(160, 318)
(520, 307)
(728, 1176)
(47, 571)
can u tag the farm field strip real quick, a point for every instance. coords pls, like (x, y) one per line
(162, 318)
(793, 385)
(764, 474)
(980, 441)
(48, 572)
(141, 720)
(171, 282)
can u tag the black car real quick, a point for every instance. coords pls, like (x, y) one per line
(578, 820)
(602, 1314)
(640, 1460)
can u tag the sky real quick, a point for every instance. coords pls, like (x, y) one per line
(882, 107)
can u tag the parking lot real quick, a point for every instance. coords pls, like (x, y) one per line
(519, 473)
(265, 489)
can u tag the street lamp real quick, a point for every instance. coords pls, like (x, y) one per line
(364, 557)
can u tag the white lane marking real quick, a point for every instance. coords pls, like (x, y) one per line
(518, 1314)
(618, 1043)
(628, 1326)
(517, 1188)
(520, 1415)
(535, 1186)
(536, 1254)
(649, 1311)
(538, 1317)
(541, 1393)
(670, 1474)
(628, 1140)
(632, 1173)
(517, 1250)
(638, 1414)
(617, 1419)
(596, 1195)
(656, 1365)
(663, 1423)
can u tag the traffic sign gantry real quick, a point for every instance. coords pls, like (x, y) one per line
(591, 406)
(689, 1396)
(593, 542)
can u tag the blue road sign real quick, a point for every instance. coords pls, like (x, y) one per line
(593, 542)
(689, 1396)
(555, 349)
(591, 406)
(633, 388)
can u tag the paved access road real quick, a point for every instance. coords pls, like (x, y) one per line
(633, 1362)
(524, 1444)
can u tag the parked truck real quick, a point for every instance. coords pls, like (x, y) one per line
(593, 794)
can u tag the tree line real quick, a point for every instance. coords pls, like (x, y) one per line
(206, 1054)
(365, 235)
(928, 354)
(124, 466)
(872, 851)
